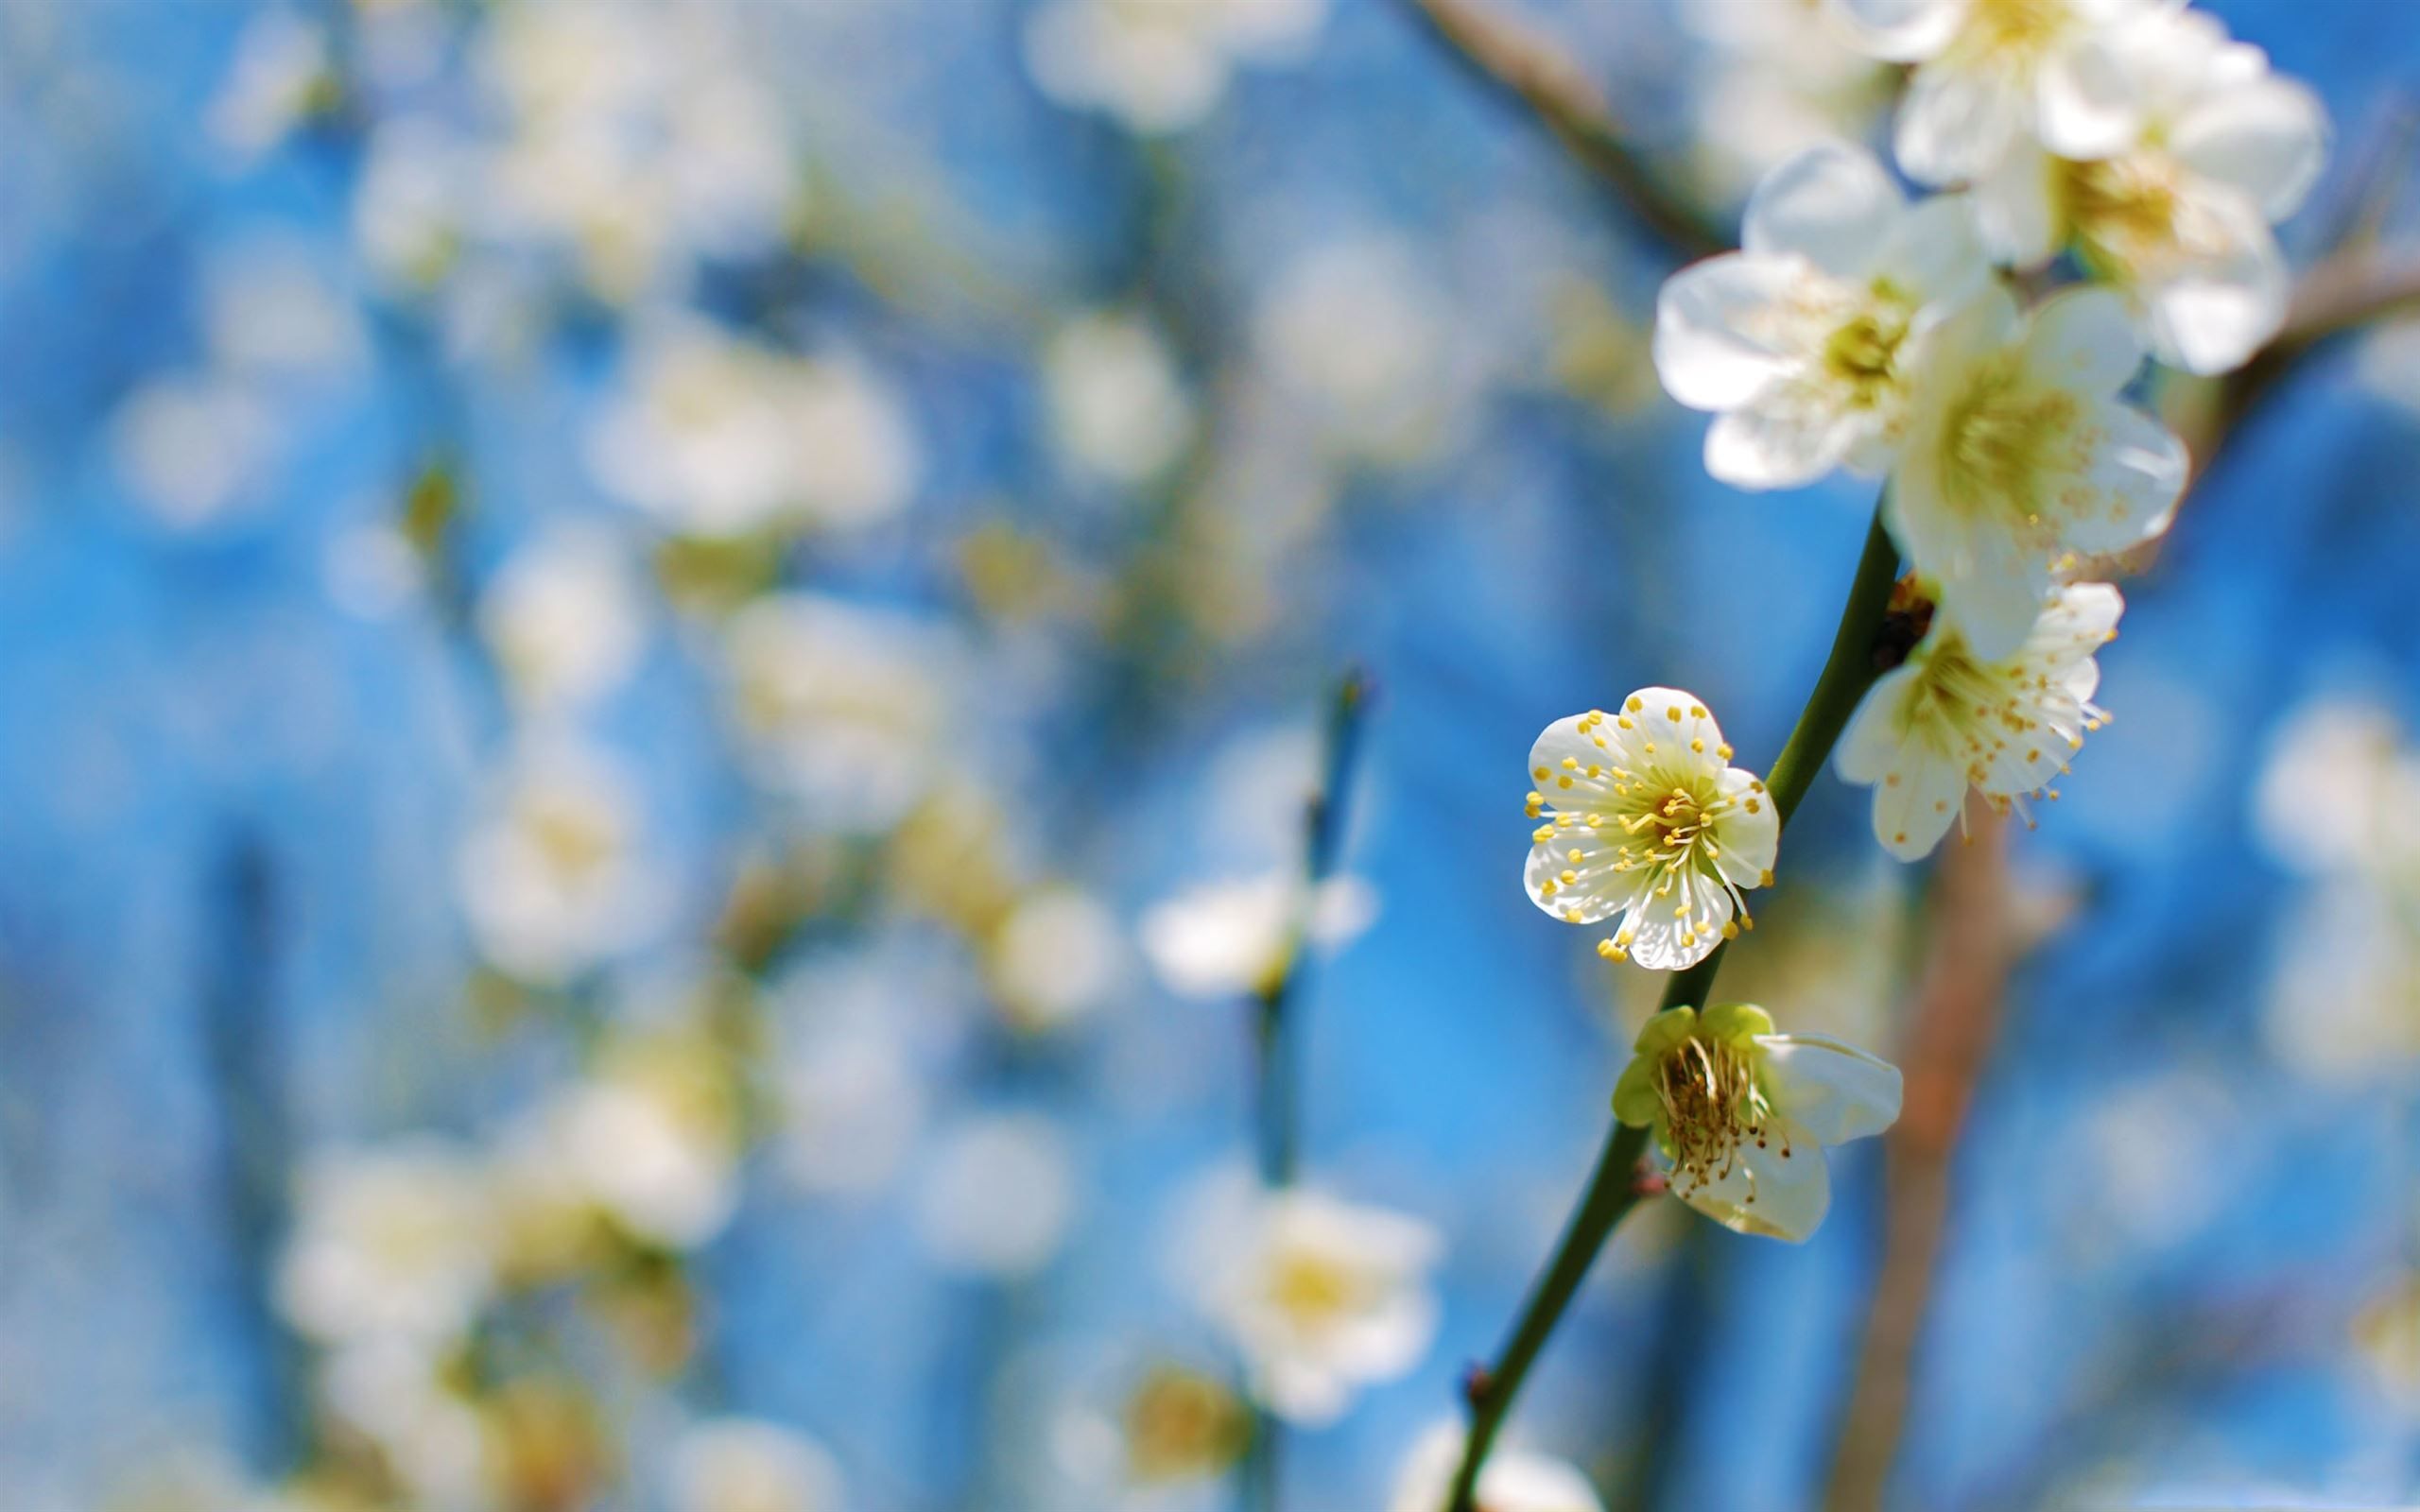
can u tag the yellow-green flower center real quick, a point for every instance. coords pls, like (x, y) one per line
(1712, 1102)
(1861, 353)
(2004, 440)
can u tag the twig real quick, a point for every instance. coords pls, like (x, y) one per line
(1613, 1188)
(1516, 59)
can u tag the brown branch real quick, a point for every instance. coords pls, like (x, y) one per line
(1958, 1003)
(1515, 59)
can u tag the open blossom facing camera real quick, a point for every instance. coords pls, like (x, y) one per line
(1805, 341)
(1643, 816)
(2020, 456)
(1742, 1113)
(1991, 73)
(1322, 1298)
(2179, 217)
(1946, 721)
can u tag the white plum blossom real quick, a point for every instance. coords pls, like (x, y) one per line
(552, 879)
(2179, 216)
(1355, 336)
(1946, 720)
(389, 1241)
(1807, 342)
(1742, 1113)
(1322, 1298)
(1224, 940)
(566, 617)
(1512, 1480)
(1643, 816)
(1056, 958)
(1993, 73)
(747, 1465)
(1784, 75)
(2354, 750)
(1000, 1195)
(2020, 456)
(1159, 65)
(1118, 406)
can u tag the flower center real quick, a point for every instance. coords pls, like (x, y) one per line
(2004, 435)
(1180, 1424)
(1313, 1289)
(1713, 1103)
(2015, 33)
(1861, 353)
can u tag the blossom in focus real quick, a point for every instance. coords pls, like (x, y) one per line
(2179, 217)
(1321, 1298)
(1512, 1481)
(1227, 938)
(1118, 406)
(388, 1241)
(1945, 720)
(565, 616)
(2020, 456)
(1159, 65)
(1742, 1113)
(1993, 73)
(1643, 816)
(1807, 341)
(551, 877)
(747, 1465)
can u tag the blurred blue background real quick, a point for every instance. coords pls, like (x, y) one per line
(543, 538)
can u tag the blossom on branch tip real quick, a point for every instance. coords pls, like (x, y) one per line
(1991, 74)
(1946, 720)
(1804, 343)
(1742, 1113)
(2020, 457)
(1641, 815)
(2179, 216)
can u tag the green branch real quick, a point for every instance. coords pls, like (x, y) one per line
(1613, 1188)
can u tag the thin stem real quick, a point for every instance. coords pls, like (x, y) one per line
(1276, 1035)
(1614, 1187)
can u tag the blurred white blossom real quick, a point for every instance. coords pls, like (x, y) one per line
(552, 879)
(1512, 1481)
(1057, 958)
(649, 1137)
(1784, 75)
(1224, 940)
(1159, 65)
(1355, 335)
(566, 616)
(193, 448)
(389, 1240)
(1000, 1194)
(281, 72)
(1118, 406)
(747, 1465)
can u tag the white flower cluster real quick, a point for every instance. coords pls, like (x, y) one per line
(1857, 328)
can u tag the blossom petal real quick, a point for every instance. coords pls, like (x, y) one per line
(1900, 32)
(1674, 726)
(2211, 316)
(1872, 739)
(1781, 1191)
(2017, 209)
(1832, 1090)
(2133, 475)
(1918, 797)
(1778, 445)
(2267, 138)
(2086, 102)
(2084, 341)
(1993, 594)
(1832, 204)
(1954, 124)
(1935, 251)
(1715, 330)
(1667, 934)
(1749, 833)
(1582, 891)
(1572, 767)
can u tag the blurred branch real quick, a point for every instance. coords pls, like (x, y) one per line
(1276, 1035)
(1615, 1187)
(1958, 1006)
(1516, 59)
(2356, 287)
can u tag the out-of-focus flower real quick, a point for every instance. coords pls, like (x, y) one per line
(2020, 455)
(410, 211)
(852, 1105)
(1355, 335)
(845, 706)
(1643, 816)
(1179, 1425)
(1056, 958)
(1946, 720)
(1224, 939)
(389, 1240)
(1118, 406)
(1129, 1428)
(393, 1392)
(280, 75)
(1159, 65)
(721, 437)
(1786, 76)
(566, 617)
(2343, 1000)
(650, 1138)
(551, 878)
(1000, 1195)
(2179, 215)
(2340, 790)
(275, 311)
(1742, 1113)
(1510, 1481)
(191, 448)
(2387, 1334)
(1807, 341)
(1991, 73)
(1323, 1298)
(745, 1465)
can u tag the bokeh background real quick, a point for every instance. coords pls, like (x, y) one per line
(737, 599)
